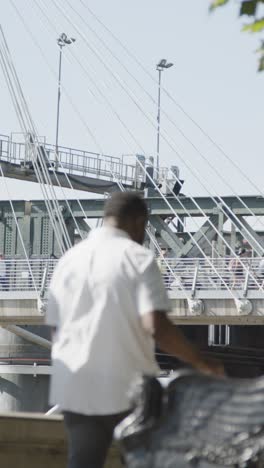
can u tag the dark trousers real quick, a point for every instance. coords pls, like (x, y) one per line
(89, 438)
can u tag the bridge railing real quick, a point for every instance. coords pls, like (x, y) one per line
(189, 275)
(88, 163)
(73, 160)
(4, 146)
(129, 170)
(22, 275)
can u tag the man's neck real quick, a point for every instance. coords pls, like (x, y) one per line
(114, 223)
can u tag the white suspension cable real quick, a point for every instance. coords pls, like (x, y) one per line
(120, 119)
(199, 152)
(143, 150)
(97, 87)
(14, 99)
(17, 107)
(19, 231)
(171, 97)
(194, 241)
(55, 75)
(197, 245)
(61, 165)
(78, 114)
(153, 240)
(37, 152)
(67, 203)
(150, 119)
(206, 258)
(67, 94)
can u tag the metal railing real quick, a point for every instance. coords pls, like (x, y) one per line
(129, 169)
(189, 274)
(4, 146)
(73, 160)
(192, 274)
(22, 275)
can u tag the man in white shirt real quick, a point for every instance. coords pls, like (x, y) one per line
(108, 304)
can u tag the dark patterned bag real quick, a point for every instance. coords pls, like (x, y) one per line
(196, 421)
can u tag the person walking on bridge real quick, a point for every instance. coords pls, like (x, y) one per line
(3, 278)
(108, 305)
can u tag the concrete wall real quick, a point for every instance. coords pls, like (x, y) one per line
(36, 441)
(22, 392)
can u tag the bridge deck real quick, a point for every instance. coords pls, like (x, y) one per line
(24, 288)
(86, 170)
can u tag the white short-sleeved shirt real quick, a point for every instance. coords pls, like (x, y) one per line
(98, 292)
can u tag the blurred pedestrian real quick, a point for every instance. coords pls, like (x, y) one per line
(237, 267)
(260, 272)
(3, 278)
(107, 304)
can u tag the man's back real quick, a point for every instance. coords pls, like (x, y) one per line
(107, 302)
(103, 286)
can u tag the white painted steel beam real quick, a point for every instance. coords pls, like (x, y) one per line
(83, 227)
(218, 309)
(211, 320)
(25, 369)
(26, 335)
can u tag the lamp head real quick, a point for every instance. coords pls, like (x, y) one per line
(64, 40)
(164, 64)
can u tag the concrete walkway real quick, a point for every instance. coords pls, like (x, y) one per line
(30, 440)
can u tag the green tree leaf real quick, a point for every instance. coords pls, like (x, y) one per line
(254, 27)
(217, 3)
(260, 50)
(248, 7)
(261, 64)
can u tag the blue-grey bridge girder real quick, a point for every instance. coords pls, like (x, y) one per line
(158, 206)
(169, 237)
(207, 204)
(94, 208)
(38, 234)
(203, 236)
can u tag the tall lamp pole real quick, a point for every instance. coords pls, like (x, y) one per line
(62, 41)
(162, 65)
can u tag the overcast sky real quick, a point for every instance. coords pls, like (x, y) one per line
(214, 79)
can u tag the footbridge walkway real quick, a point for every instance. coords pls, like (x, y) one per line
(86, 170)
(200, 291)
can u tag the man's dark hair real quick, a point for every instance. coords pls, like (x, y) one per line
(124, 205)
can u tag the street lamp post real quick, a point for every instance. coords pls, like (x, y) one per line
(62, 41)
(162, 65)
